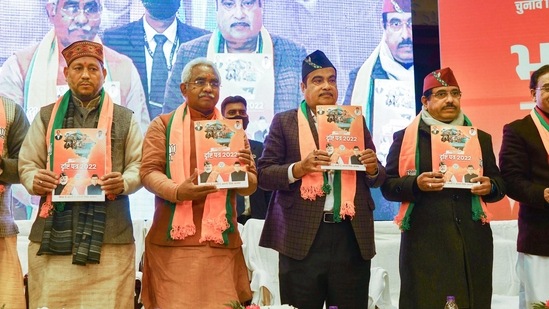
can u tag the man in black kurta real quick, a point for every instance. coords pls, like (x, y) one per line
(445, 249)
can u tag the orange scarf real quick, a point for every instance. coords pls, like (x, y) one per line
(316, 184)
(217, 216)
(408, 166)
(106, 108)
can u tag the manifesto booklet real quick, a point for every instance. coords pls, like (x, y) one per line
(341, 134)
(456, 153)
(217, 145)
(79, 159)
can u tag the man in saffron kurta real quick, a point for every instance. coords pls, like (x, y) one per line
(189, 264)
(320, 222)
(446, 244)
(13, 128)
(82, 254)
(525, 169)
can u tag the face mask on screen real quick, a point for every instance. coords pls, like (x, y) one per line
(159, 9)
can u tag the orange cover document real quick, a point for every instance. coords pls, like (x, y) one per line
(341, 134)
(455, 155)
(79, 160)
(217, 145)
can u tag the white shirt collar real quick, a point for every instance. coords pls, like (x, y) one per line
(170, 32)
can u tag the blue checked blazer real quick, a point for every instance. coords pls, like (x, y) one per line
(287, 69)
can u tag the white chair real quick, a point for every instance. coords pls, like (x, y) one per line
(263, 266)
(379, 294)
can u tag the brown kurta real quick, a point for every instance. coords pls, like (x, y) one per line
(12, 292)
(186, 266)
(109, 284)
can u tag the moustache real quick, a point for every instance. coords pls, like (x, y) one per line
(206, 95)
(74, 27)
(405, 42)
(240, 24)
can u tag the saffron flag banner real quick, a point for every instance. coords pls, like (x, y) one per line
(493, 59)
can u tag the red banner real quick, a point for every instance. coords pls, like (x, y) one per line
(492, 47)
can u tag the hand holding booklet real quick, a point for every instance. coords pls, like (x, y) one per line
(217, 146)
(341, 134)
(79, 160)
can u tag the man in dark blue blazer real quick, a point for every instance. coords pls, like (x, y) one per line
(135, 40)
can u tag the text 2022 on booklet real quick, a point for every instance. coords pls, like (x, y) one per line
(217, 145)
(456, 153)
(341, 134)
(79, 160)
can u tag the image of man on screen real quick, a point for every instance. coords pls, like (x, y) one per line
(94, 188)
(151, 42)
(240, 31)
(392, 59)
(32, 76)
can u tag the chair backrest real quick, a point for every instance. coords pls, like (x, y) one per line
(261, 262)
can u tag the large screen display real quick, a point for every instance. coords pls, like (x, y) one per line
(371, 50)
(492, 59)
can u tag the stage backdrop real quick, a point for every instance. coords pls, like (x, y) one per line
(492, 47)
(346, 31)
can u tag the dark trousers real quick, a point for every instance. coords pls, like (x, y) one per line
(333, 271)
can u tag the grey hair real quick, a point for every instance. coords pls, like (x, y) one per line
(186, 74)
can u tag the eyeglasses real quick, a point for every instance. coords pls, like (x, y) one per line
(544, 88)
(397, 24)
(92, 10)
(234, 112)
(443, 94)
(202, 83)
(245, 4)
